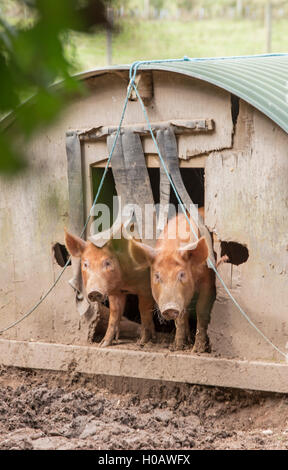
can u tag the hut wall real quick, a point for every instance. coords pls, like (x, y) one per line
(246, 202)
(248, 179)
(34, 208)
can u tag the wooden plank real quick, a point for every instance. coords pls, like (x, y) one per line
(144, 84)
(76, 212)
(138, 182)
(152, 161)
(168, 144)
(165, 366)
(165, 193)
(75, 182)
(118, 167)
(179, 126)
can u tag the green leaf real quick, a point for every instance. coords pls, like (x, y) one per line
(11, 162)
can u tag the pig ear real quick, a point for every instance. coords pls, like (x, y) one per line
(196, 251)
(74, 245)
(142, 254)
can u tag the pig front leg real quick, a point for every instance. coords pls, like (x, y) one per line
(146, 305)
(207, 295)
(182, 335)
(116, 307)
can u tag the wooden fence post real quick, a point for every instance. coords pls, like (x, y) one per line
(268, 25)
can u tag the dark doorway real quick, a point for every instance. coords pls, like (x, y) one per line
(193, 179)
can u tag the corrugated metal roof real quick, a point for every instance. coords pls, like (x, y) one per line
(260, 80)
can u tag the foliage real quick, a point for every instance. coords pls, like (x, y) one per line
(41, 40)
(31, 59)
(207, 38)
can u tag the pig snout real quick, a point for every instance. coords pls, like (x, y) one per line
(170, 312)
(96, 296)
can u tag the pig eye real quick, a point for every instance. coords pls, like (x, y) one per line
(85, 264)
(107, 263)
(181, 276)
(156, 277)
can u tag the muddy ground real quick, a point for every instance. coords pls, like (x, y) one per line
(53, 410)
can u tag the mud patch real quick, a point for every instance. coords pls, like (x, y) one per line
(55, 410)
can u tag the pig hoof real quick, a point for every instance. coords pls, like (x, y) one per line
(177, 346)
(146, 336)
(111, 334)
(201, 347)
(105, 343)
(142, 341)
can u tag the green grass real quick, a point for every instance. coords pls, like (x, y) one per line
(140, 40)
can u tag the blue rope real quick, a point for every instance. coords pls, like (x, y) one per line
(135, 65)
